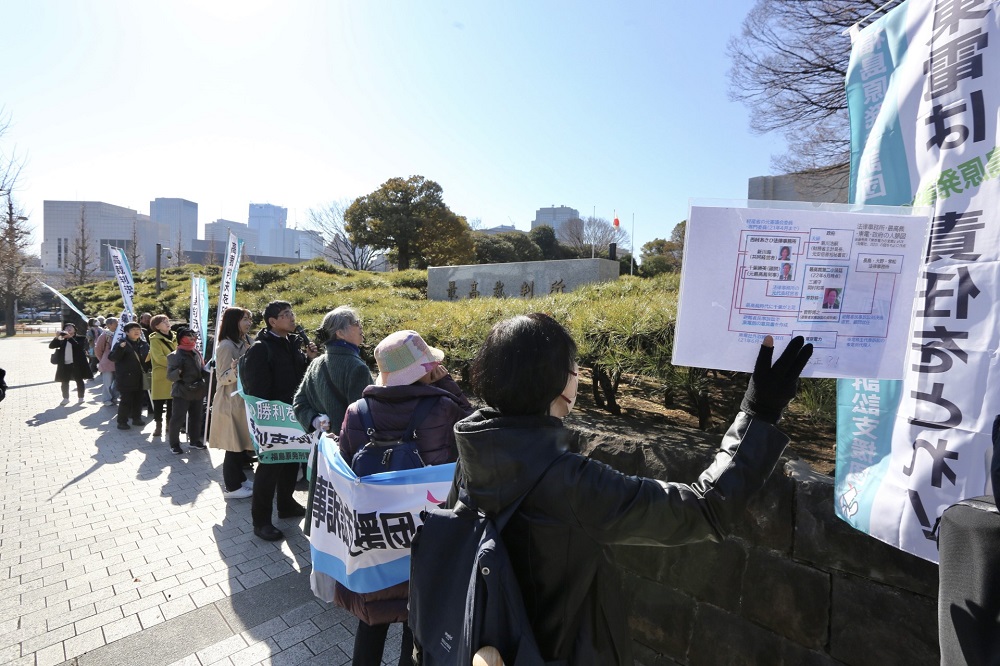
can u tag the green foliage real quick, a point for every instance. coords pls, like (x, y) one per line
(623, 328)
(817, 399)
(409, 218)
(664, 256)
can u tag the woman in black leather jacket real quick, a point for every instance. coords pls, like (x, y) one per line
(574, 507)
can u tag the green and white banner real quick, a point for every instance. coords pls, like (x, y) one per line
(923, 89)
(277, 436)
(65, 300)
(123, 273)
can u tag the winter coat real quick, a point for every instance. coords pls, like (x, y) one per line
(160, 346)
(228, 429)
(576, 508)
(391, 408)
(186, 371)
(80, 367)
(130, 363)
(102, 348)
(275, 368)
(332, 382)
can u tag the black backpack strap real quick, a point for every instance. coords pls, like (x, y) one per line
(366, 417)
(418, 415)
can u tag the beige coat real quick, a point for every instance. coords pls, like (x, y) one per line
(229, 430)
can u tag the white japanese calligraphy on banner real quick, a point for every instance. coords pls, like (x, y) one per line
(923, 98)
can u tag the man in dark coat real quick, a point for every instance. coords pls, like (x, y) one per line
(74, 364)
(129, 356)
(186, 371)
(274, 369)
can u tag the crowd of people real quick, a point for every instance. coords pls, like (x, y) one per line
(514, 449)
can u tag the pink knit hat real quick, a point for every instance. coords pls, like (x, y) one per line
(403, 357)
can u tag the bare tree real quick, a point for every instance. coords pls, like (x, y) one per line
(133, 250)
(15, 282)
(788, 67)
(212, 258)
(82, 265)
(338, 248)
(590, 236)
(179, 257)
(10, 164)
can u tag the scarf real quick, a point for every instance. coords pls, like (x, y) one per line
(346, 345)
(187, 343)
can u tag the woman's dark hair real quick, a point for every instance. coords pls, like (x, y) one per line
(129, 326)
(186, 333)
(523, 365)
(229, 329)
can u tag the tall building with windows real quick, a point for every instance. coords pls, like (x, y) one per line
(554, 216)
(65, 223)
(181, 216)
(269, 222)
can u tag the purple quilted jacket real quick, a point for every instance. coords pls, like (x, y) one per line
(391, 407)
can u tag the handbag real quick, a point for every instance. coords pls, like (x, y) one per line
(55, 357)
(147, 375)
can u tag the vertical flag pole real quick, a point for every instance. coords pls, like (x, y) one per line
(631, 264)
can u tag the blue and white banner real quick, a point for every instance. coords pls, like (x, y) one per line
(362, 528)
(199, 311)
(65, 300)
(125, 318)
(227, 286)
(123, 273)
(923, 89)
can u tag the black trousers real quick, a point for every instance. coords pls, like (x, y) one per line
(369, 644)
(188, 411)
(158, 406)
(270, 480)
(233, 475)
(130, 404)
(65, 388)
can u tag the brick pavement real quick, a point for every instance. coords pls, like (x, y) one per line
(115, 551)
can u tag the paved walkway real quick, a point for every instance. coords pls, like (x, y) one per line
(115, 551)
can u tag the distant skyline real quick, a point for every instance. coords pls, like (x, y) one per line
(510, 106)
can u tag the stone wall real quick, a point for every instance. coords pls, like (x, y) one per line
(520, 279)
(793, 585)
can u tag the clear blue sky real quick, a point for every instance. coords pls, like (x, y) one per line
(510, 106)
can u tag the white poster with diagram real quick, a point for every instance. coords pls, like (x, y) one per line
(843, 279)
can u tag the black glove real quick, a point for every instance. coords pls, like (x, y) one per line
(772, 387)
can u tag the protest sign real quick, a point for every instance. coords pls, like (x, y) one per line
(362, 528)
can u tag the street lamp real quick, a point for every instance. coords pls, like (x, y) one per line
(159, 252)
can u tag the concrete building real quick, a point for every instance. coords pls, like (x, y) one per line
(105, 225)
(217, 234)
(818, 186)
(270, 223)
(502, 229)
(554, 216)
(181, 216)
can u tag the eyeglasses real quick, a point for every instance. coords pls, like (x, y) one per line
(286, 314)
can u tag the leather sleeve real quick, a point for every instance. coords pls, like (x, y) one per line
(614, 508)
